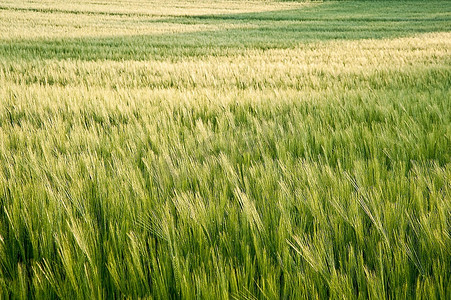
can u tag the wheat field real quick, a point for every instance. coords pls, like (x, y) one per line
(225, 149)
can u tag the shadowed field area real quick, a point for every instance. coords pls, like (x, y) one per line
(186, 35)
(225, 149)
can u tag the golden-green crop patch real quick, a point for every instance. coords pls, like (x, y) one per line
(225, 149)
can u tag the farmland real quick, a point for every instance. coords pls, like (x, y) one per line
(225, 149)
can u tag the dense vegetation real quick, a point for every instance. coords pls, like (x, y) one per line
(225, 149)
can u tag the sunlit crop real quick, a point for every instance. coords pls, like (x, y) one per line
(225, 149)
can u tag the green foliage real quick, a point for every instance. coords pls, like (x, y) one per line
(282, 154)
